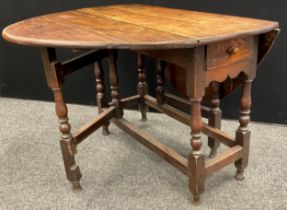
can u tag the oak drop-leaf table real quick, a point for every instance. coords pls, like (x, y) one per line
(205, 56)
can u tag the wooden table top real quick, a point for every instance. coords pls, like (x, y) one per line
(132, 26)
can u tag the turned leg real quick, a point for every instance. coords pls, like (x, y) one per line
(214, 119)
(196, 158)
(142, 86)
(101, 98)
(67, 143)
(160, 82)
(243, 132)
(195, 88)
(114, 81)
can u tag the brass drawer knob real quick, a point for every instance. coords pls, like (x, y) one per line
(233, 50)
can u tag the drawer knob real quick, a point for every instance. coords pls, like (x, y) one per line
(233, 50)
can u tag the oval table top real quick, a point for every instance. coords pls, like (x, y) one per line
(132, 26)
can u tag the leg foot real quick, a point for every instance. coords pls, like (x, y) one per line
(239, 175)
(196, 200)
(213, 145)
(76, 186)
(213, 153)
(106, 131)
(143, 110)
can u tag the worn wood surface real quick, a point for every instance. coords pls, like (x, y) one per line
(183, 104)
(224, 62)
(206, 56)
(243, 132)
(78, 62)
(225, 158)
(130, 101)
(67, 142)
(93, 125)
(147, 26)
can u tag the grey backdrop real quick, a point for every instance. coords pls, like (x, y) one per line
(21, 74)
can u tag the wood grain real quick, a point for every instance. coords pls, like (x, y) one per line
(94, 124)
(147, 26)
(225, 158)
(206, 56)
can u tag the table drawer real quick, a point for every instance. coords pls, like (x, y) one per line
(229, 52)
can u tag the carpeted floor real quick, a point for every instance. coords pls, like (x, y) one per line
(120, 173)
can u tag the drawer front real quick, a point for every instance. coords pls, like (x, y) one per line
(229, 52)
